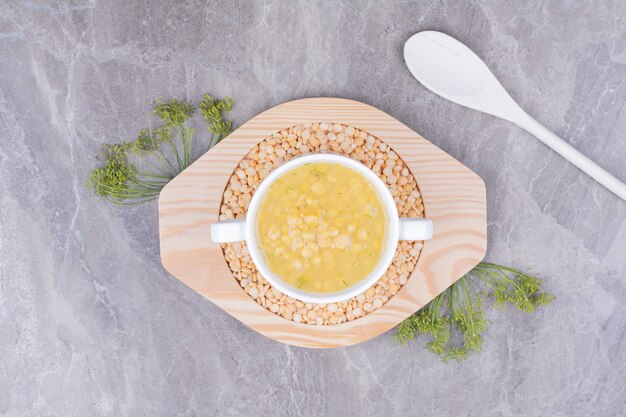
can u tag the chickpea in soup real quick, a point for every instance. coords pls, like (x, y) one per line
(321, 227)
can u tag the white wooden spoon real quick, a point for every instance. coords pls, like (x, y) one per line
(450, 69)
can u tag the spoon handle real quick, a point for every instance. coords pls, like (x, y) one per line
(568, 152)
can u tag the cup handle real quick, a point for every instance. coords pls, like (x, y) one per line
(415, 229)
(228, 231)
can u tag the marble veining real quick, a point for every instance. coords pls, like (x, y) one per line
(91, 324)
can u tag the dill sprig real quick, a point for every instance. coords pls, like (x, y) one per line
(213, 112)
(456, 320)
(135, 171)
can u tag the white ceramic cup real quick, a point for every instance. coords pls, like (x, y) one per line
(397, 229)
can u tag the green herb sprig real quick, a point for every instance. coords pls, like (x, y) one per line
(456, 320)
(134, 172)
(213, 112)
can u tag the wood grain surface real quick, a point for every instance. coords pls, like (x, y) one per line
(454, 198)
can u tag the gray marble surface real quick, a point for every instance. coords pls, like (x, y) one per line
(91, 324)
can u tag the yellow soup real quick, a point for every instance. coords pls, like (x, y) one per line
(321, 227)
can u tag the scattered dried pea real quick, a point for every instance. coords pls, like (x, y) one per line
(315, 138)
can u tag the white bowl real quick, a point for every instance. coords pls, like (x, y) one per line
(397, 229)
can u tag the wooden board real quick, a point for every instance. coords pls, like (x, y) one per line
(453, 196)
